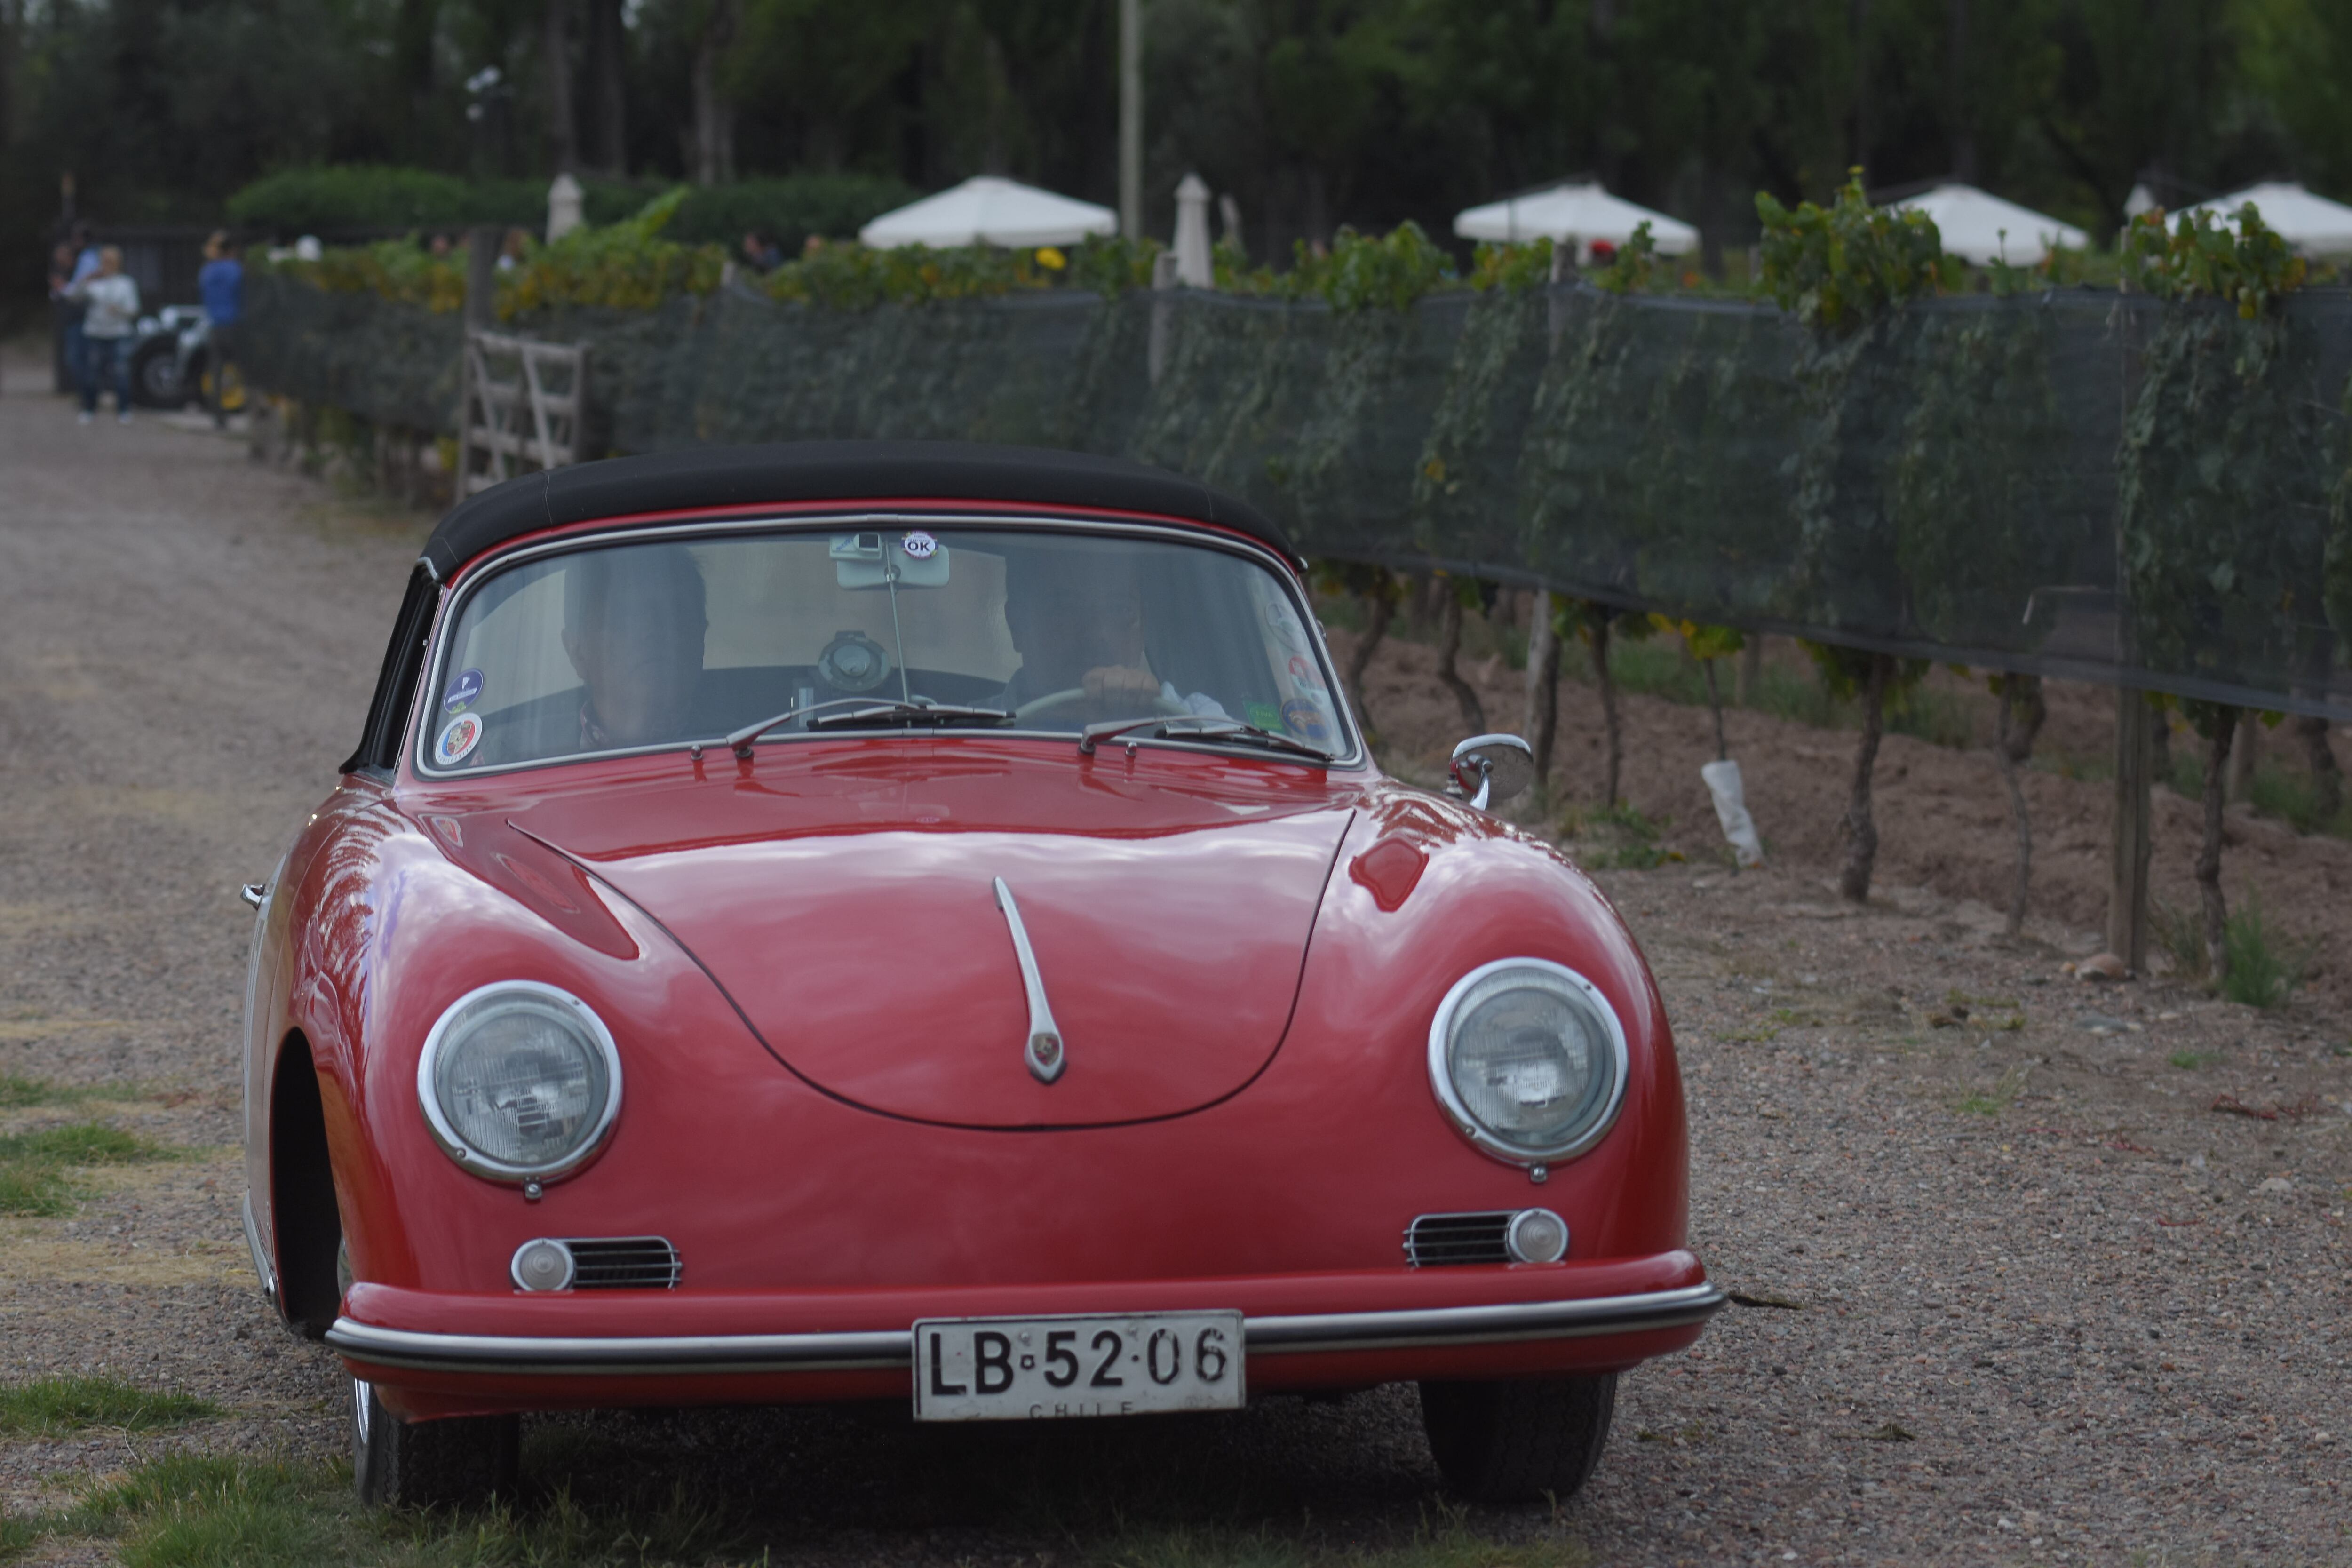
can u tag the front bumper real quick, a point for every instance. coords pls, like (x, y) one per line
(440, 1354)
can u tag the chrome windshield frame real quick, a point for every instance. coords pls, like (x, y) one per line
(475, 575)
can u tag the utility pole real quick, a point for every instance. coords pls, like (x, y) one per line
(1130, 119)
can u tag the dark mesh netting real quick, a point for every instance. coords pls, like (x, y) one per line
(2081, 483)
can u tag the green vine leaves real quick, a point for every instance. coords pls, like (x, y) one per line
(2251, 269)
(1841, 267)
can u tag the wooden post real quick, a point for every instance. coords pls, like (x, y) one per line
(2128, 849)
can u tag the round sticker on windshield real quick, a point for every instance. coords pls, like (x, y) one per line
(920, 546)
(458, 740)
(1305, 720)
(1304, 675)
(1279, 615)
(464, 686)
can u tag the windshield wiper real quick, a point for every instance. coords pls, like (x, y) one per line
(864, 707)
(1199, 727)
(888, 713)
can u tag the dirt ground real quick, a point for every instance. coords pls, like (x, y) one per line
(2018, 1292)
(1942, 813)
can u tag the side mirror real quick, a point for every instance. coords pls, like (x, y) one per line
(1491, 769)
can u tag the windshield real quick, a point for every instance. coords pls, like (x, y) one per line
(620, 647)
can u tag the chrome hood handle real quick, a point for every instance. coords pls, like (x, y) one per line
(1044, 1051)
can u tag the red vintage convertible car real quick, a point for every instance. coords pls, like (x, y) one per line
(918, 922)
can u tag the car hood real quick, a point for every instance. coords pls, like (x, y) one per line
(849, 913)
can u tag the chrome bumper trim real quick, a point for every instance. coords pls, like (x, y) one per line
(892, 1350)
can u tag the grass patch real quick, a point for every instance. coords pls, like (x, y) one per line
(1620, 839)
(2282, 791)
(2181, 934)
(1994, 1100)
(200, 1510)
(1931, 713)
(34, 1165)
(2264, 968)
(2193, 1061)
(1447, 1542)
(45, 1407)
(22, 1093)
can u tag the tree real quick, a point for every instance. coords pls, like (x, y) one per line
(1594, 622)
(1460, 593)
(1872, 679)
(2022, 714)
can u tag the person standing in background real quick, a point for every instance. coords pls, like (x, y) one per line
(221, 281)
(112, 299)
(76, 259)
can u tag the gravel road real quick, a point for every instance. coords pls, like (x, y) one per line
(2020, 1294)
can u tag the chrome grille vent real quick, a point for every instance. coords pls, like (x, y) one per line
(1439, 1238)
(623, 1263)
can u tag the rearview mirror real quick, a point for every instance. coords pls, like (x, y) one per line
(1491, 769)
(877, 557)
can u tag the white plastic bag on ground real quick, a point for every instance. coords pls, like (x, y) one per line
(1723, 783)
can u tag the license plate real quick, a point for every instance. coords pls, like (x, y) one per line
(1056, 1369)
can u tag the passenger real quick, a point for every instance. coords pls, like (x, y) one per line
(632, 627)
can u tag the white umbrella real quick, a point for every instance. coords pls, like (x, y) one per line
(1578, 213)
(986, 210)
(2310, 224)
(1978, 227)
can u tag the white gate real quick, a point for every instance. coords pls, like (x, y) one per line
(524, 408)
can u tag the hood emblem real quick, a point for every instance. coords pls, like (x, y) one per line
(1044, 1051)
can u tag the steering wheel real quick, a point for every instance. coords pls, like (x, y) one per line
(1036, 705)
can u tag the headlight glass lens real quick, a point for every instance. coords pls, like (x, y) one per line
(522, 1078)
(1532, 1059)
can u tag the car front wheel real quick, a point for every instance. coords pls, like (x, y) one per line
(1520, 1439)
(425, 1464)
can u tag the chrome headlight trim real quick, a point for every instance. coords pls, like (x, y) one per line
(1440, 1076)
(471, 1158)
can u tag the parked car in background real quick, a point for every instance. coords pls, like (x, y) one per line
(919, 922)
(172, 359)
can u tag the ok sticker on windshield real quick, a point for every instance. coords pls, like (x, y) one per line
(458, 740)
(920, 545)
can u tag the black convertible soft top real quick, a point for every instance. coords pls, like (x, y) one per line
(932, 472)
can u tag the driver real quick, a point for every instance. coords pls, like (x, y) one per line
(1076, 618)
(632, 627)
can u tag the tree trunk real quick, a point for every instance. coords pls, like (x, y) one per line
(1449, 649)
(2209, 858)
(2327, 777)
(555, 45)
(714, 118)
(2160, 744)
(2245, 751)
(1541, 722)
(1861, 831)
(1613, 761)
(608, 108)
(1714, 707)
(1962, 101)
(2023, 713)
(1376, 626)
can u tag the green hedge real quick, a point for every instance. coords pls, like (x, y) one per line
(348, 197)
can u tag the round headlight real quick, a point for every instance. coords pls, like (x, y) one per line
(1528, 1058)
(519, 1081)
